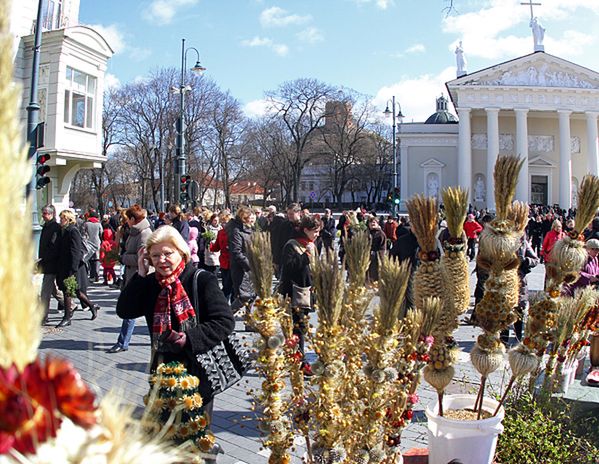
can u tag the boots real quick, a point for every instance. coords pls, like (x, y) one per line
(68, 312)
(94, 310)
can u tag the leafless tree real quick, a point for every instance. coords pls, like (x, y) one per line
(347, 139)
(300, 104)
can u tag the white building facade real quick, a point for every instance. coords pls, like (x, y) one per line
(73, 60)
(539, 107)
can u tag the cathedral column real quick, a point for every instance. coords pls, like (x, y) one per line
(465, 151)
(492, 153)
(523, 187)
(565, 160)
(593, 150)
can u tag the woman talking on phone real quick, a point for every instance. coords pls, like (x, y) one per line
(178, 330)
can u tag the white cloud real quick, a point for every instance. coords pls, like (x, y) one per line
(112, 34)
(162, 12)
(111, 82)
(256, 108)
(485, 32)
(279, 49)
(310, 35)
(139, 53)
(416, 48)
(380, 4)
(278, 17)
(416, 95)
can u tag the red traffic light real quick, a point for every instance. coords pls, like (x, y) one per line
(42, 159)
(185, 179)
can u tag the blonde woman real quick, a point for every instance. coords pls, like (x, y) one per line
(70, 263)
(178, 330)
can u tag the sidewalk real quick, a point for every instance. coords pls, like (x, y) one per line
(84, 343)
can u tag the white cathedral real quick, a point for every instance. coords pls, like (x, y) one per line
(538, 106)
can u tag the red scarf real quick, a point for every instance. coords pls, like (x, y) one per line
(304, 241)
(172, 299)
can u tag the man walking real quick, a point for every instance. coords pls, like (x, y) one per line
(49, 250)
(472, 229)
(329, 231)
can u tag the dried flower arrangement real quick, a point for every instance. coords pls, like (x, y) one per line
(277, 353)
(47, 413)
(362, 390)
(567, 259)
(174, 410)
(445, 278)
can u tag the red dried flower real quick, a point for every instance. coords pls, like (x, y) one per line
(31, 403)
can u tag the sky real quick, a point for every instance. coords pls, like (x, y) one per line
(381, 48)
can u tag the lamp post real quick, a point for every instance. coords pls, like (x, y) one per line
(181, 167)
(391, 113)
(33, 110)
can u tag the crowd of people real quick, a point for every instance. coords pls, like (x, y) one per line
(188, 273)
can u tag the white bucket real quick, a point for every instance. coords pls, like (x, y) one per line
(472, 442)
(573, 371)
(563, 382)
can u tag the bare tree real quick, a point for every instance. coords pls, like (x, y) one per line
(301, 106)
(346, 137)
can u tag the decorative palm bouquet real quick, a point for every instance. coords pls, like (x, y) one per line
(361, 393)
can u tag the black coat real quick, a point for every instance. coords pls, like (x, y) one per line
(281, 231)
(182, 227)
(49, 250)
(239, 239)
(215, 320)
(329, 231)
(71, 252)
(295, 263)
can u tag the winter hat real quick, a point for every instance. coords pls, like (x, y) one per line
(592, 244)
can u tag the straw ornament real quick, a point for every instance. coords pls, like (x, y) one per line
(20, 311)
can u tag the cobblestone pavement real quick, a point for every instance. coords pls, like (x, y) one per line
(85, 343)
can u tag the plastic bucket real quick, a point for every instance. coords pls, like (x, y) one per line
(472, 442)
(563, 381)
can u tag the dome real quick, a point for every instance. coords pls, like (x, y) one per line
(442, 115)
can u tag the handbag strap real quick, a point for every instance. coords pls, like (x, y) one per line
(196, 302)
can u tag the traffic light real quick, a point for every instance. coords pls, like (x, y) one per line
(389, 196)
(41, 169)
(396, 196)
(184, 189)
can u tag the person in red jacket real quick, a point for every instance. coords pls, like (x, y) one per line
(222, 244)
(390, 229)
(108, 255)
(471, 228)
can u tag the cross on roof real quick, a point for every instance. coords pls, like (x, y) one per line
(530, 3)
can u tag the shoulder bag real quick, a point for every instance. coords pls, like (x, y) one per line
(227, 362)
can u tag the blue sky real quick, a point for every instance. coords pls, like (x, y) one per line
(377, 47)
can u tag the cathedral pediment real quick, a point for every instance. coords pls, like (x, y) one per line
(534, 70)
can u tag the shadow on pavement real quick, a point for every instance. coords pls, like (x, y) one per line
(139, 367)
(70, 344)
(141, 330)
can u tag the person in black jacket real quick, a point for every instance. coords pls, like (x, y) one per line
(239, 231)
(378, 247)
(179, 221)
(49, 252)
(70, 263)
(179, 331)
(328, 231)
(281, 230)
(296, 279)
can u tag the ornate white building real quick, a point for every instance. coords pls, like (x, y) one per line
(73, 62)
(538, 106)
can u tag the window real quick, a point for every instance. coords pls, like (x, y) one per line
(79, 95)
(51, 14)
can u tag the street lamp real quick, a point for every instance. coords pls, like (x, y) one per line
(181, 168)
(391, 113)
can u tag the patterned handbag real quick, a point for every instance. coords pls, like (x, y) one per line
(226, 363)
